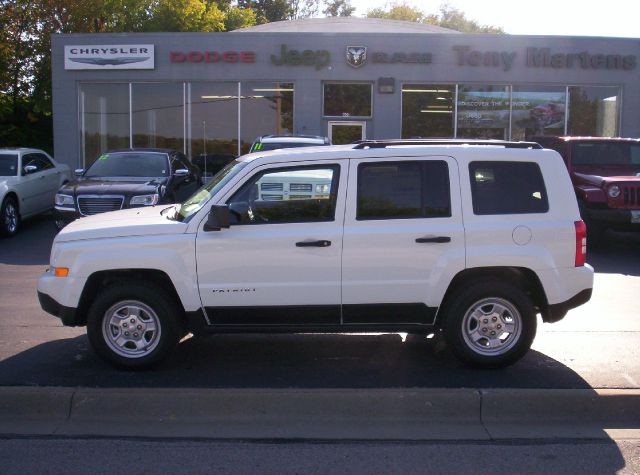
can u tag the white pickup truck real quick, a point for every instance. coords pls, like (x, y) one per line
(469, 238)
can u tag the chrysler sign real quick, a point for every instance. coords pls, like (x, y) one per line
(109, 57)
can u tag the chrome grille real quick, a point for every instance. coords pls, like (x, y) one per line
(631, 196)
(271, 186)
(272, 197)
(300, 187)
(94, 204)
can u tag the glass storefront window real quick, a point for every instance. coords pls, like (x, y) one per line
(593, 111)
(347, 99)
(427, 110)
(483, 112)
(104, 119)
(213, 122)
(158, 115)
(537, 110)
(266, 108)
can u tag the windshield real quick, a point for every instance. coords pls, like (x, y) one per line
(8, 165)
(606, 153)
(133, 164)
(200, 197)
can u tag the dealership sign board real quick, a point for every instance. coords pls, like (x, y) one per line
(109, 57)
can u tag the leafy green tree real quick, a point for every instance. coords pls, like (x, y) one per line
(186, 15)
(341, 8)
(448, 17)
(454, 19)
(239, 18)
(268, 11)
(398, 11)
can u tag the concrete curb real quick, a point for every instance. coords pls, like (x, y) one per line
(336, 414)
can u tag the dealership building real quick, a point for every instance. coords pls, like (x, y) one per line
(347, 78)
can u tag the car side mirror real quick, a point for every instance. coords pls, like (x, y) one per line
(181, 172)
(78, 171)
(30, 169)
(218, 218)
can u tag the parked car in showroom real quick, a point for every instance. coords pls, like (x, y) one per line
(605, 172)
(29, 179)
(127, 178)
(265, 143)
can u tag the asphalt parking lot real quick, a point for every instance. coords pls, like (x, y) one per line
(595, 346)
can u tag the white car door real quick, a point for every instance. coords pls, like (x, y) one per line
(403, 239)
(30, 186)
(279, 262)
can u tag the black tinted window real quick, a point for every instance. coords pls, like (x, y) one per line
(8, 165)
(134, 164)
(605, 153)
(507, 188)
(395, 190)
(287, 195)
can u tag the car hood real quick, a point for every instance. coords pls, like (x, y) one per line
(148, 221)
(113, 186)
(599, 181)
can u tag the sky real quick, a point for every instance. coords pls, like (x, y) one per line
(618, 18)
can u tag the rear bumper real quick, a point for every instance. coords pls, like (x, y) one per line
(557, 311)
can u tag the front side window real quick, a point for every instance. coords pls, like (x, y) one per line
(507, 188)
(129, 164)
(403, 190)
(347, 100)
(287, 195)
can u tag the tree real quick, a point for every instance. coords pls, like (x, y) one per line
(452, 18)
(341, 8)
(448, 17)
(186, 15)
(268, 11)
(398, 11)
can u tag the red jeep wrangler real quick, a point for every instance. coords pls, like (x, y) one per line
(606, 177)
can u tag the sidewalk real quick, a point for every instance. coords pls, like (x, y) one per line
(340, 414)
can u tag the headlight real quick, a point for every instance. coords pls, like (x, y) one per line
(146, 200)
(614, 191)
(64, 200)
(322, 188)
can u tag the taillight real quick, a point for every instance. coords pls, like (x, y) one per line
(581, 243)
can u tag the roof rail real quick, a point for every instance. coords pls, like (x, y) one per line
(396, 142)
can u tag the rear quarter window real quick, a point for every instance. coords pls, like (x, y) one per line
(507, 188)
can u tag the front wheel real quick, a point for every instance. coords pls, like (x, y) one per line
(490, 324)
(133, 326)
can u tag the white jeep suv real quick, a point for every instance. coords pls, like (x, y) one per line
(471, 238)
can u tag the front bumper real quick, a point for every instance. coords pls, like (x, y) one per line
(620, 219)
(68, 315)
(65, 215)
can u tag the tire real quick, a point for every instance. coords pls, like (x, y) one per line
(489, 324)
(9, 217)
(133, 325)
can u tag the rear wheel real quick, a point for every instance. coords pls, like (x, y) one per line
(133, 326)
(9, 216)
(490, 324)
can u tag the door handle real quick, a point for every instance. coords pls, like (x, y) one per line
(322, 243)
(436, 239)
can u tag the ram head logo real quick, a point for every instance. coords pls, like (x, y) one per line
(356, 56)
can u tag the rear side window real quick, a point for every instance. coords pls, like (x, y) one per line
(403, 190)
(507, 188)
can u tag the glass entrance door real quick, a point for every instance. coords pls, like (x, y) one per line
(344, 132)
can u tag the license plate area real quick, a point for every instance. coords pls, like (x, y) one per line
(635, 216)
